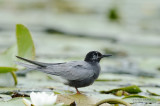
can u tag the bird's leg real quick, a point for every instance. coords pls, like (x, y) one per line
(77, 91)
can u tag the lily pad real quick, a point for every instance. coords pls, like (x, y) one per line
(80, 99)
(13, 102)
(130, 89)
(152, 93)
(4, 97)
(134, 96)
(8, 56)
(113, 101)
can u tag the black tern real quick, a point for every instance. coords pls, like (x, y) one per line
(76, 73)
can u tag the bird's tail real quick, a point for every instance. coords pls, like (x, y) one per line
(32, 62)
(34, 65)
(27, 66)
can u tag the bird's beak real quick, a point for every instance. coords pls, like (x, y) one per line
(107, 55)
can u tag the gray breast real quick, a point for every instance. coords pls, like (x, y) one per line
(87, 81)
(96, 69)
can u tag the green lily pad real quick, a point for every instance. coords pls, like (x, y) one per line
(130, 89)
(79, 99)
(138, 99)
(13, 102)
(4, 97)
(134, 96)
(8, 56)
(112, 101)
(152, 93)
(8, 90)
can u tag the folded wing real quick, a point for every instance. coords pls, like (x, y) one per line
(75, 70)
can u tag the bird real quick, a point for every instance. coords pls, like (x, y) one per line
(76, 73)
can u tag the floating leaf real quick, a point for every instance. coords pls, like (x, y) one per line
(134, 96)
(113, 101)
(152, 93)
(145, 100)
(130, 89)
(25, 43)
(8, 56)
(5, 97)
(7, 69)
(7, 63)
(9, 90)
(13, 102)
(79, 99)
(108, 79)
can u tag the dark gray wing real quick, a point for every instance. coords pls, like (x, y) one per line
(76, 70)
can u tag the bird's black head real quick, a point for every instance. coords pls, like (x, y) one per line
(94, 56)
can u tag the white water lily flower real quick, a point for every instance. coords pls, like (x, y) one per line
(40, 99)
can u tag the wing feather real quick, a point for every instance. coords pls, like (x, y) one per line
(76, 70)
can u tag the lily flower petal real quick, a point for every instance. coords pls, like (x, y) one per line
(27, 102)
(41, 99)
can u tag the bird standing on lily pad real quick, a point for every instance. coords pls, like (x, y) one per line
(76, 73)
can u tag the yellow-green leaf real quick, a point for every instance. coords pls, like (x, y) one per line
(8, 56)
(152, 93)
(7, 69)
(134, 96)
(130, 89)
(25, 43)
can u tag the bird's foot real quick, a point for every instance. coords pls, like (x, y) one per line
(77, 91)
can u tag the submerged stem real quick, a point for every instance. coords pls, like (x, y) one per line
(14, 77)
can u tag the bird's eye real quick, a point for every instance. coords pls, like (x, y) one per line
(94, 56)
(97, 55)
